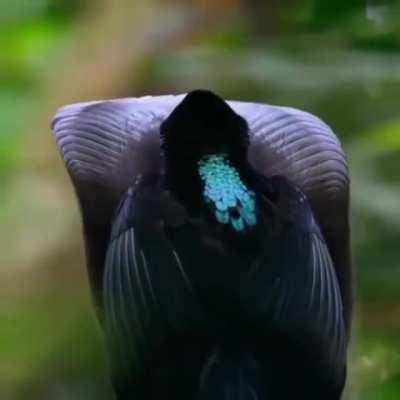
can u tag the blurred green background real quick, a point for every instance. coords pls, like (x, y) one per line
(337, 59)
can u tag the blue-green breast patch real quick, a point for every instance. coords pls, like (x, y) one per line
(232, 201)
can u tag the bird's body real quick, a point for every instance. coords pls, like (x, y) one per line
(202, 297)
(218, 281)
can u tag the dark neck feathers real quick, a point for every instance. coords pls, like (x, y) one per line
(202, 124)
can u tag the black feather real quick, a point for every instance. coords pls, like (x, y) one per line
(192, 310)
(278, 308)
(201, 124)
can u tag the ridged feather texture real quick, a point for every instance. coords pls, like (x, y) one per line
(93, 137)
(232, 201)
(107, 144)
(190, 309)
(210, 316)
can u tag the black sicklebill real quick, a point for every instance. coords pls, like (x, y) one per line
(215, 279)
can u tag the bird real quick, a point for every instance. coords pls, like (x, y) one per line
(217, 245)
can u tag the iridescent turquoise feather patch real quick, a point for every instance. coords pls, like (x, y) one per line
(234, 203)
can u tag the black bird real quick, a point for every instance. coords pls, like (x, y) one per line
(217, 243)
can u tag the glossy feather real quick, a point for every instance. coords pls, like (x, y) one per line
(192, 306)
(166, 288)
(107, 144)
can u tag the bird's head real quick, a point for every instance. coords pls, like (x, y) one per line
(203, 124)
(205, 146)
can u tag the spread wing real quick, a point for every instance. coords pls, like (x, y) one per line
(107, 144)
(167, 301)
(295, 289)
(153, 319)
(306, 307)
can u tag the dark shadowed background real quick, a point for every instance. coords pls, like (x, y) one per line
(338, 59)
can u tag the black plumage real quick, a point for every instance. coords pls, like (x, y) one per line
(192, 308)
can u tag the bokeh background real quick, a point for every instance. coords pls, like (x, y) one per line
(338, 59)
